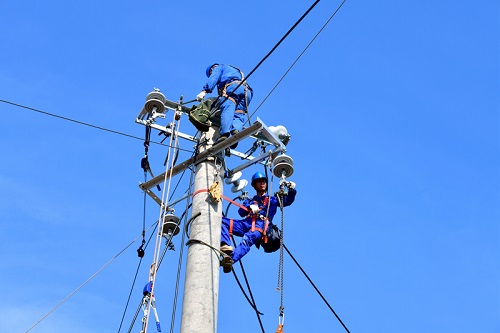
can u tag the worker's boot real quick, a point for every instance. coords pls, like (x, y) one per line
(234, 145)
(227, 264)
(221, 138)
(227, 249)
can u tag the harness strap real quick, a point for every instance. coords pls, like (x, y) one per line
(254, 217)
(223, 93)
(200, 191)
(235, 203)
(265, 231)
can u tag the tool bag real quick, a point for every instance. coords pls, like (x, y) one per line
(273, 239)
(199, 115)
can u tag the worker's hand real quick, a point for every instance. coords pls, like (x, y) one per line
(200, 96)
(291, 185)
(254, 208)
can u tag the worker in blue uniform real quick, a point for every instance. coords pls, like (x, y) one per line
(235, 97)
(258, 212)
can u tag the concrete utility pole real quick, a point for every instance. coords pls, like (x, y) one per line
(201, 287)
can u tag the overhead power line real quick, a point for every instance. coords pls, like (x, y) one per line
(79, 122)
(300, 55)
(316, 288)
(87, 281)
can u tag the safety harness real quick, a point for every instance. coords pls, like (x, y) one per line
(223, 91)
(265, 203)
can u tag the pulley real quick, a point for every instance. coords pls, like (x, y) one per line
(155, 101)
(283, 166)
(238, 185)
(170, 225)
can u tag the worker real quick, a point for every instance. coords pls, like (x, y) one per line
(259, 212)
(235, 97)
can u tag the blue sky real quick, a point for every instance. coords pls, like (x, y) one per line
(394, 118)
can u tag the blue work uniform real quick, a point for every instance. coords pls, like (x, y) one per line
(243, 227)
(226, 78)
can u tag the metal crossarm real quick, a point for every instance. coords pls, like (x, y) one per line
(203, 156)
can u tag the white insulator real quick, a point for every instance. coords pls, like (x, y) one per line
(283, 169)
(239, 185)
(283, 159)
(155, 99)
(171, 222)
(281, 132)
(235, 177)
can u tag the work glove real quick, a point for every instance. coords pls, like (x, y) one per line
(200, 96)
(254, 208)
(291, 185)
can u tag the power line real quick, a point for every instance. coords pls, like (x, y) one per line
(300, 55)
(80, 122)
(84, 283)
(315, 288)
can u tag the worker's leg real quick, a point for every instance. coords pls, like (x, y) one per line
(238, 121)
(224, 235)
(226, 118)
(249, 239)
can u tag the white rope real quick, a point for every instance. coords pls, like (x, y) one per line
(163, 209)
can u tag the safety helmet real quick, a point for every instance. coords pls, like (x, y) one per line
(209, 68)
(258, 175)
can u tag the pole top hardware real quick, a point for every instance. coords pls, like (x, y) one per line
(215, 191)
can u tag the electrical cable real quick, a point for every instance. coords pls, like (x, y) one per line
(252, 301)
(251, 295)
(130, 295)
(135, 317)
(245, 294)
(83, 123)
(317, 290)
(274, 48)
(300, 55)
(84, 283)
(155, 224)
(181, 252)
(245, 78)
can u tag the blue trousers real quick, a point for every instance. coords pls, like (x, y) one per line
(229, 120)
(241, 228)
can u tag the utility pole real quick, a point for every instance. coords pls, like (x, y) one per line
(201, 286)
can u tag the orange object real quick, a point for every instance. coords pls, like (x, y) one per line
(280, 328)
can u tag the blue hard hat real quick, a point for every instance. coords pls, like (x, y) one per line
(209, 68)
(258, 175)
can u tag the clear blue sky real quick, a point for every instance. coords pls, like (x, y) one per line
(394, 117)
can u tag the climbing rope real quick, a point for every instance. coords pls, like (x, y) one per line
(169, 163)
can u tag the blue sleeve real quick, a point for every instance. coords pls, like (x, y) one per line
(242, 211)
(289, 198)
(213, 79)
